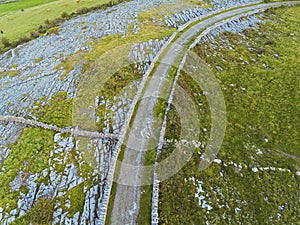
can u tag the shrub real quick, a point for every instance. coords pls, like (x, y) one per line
(41, 29)
(260, 51)
(82, 10)
(34, 34)
(269, 42)
(53, 30)
(5, 42)
(64, 15)
(23, 39)
(47, 21)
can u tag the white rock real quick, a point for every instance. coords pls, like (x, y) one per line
(218, 161)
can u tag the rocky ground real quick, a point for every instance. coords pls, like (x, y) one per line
(7, 1)
(39, 73)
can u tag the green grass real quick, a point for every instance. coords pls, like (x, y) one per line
(77, 198)
(160, 108)
(16, 23)
(21, 4)
(267, 108)
(147, 31)
(57, 111)
(9, 73)
(271, 103)
(40, 214)
(30, 154)
(114, 86)
(144, 216)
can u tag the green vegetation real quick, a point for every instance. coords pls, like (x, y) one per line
(147, 31)
(24, 18)
(160, 108)
(40, 214)
(258, 73)
(9, 73)
(261, 90)
(144, 216)
(114, 86)
(21, 4)
(30, 155)
(57, 111)
(77, 197)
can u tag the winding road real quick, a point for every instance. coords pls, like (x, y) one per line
(144, 131)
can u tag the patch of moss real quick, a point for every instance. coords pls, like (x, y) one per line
(113, 87)
(40, 214)
(57, 111)
(77, 198)
(9, 73)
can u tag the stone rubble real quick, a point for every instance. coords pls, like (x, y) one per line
(183, 17)
(236, 26)
(203, 197)
(60, 182)
(142, 54)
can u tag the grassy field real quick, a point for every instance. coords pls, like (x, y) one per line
(57, 110)
(15, 23)
(21, 4)
(259, 77)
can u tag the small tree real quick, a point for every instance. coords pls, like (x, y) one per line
(5, 42)
(83, 10)
(64, 15)
(34, 34)
(23, 39)
(260, 51)
(47, 21)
